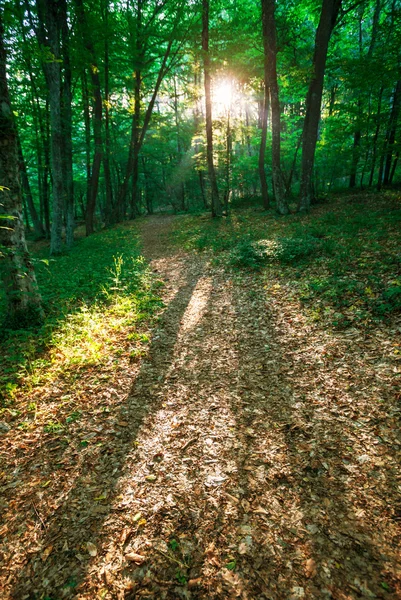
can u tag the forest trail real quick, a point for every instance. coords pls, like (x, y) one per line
(239, 465)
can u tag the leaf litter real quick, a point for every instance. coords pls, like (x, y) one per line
(250, 454)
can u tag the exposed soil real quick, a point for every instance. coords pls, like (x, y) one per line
(249, 455)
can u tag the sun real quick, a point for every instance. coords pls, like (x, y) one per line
(223, 93)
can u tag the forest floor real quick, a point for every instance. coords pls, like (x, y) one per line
(251, 453)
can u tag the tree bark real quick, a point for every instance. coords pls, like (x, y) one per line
(67, 126)
(37, 225)
(49, 35)
(262, 151)
(390, 137)
(270, 75)
(22, 294)
(328, 18)
(106, 161)
(216, 205)
(97, 118)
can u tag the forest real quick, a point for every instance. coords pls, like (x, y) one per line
(200, 299)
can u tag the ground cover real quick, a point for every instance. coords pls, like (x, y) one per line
(252, 451)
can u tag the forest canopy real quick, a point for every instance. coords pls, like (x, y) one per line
(109, 103)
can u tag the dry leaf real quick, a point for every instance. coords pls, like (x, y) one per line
(46, 552)
(91, 549)
(310, 568)
(138, 559)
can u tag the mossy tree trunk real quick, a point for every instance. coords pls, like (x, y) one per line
(22, 295)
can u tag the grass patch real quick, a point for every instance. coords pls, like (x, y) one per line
(102, 288)
(342, 261)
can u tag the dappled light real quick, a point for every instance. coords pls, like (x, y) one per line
(200, 300)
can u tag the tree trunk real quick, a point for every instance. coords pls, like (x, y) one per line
(67, 127)
(270, 75)
(97, 118)
(216, 205)
(21, 291)
(49, 29)
(262, 151)
(328, 18)
(390, 138)
(106, 161)
(37, 225)
(376, 136)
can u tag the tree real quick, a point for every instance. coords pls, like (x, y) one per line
(48, 34)
(22, 295)
(328, 18)
(216, 204)
(271, 84)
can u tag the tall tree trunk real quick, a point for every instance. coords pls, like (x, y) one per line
(395, 109)
(87, 122)
(356, 149)
(328, 18)
(376, 136)
(181, 186)
(216, 205)
(227, 192)
(197, 111)
(262, 150)
(135, 146)
(49, 35)
(106, 159)
(37, 225)
(386, 157)
(22, 295)
(67, 126)
(270, 74)
(97, 117)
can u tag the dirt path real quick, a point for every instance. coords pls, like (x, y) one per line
(242, 467)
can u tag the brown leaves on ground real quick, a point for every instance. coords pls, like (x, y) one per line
(250, 455)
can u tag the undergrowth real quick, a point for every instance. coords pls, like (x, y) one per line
(342, 261)
(95, 297)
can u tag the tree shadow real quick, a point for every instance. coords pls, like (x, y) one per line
(61, 559)
(319, 534)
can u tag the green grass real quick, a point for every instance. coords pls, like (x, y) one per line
(342, 261)
(103, 287)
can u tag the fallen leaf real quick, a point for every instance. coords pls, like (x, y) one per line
(195, 582)
(91, 548)
(138, 559)
(310, 568)
(46, 552)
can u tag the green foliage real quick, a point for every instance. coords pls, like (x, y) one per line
(342, 263)
(100, 288)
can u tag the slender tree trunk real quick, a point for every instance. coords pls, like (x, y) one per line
(386, 156)
(49, 27)
(135, 147)
(376, 137)
(262, 152)
(46, 172)
(106, 160)
(270, 73)
(216, 205)
(328, 18)
(37, 225)
(181, 186)
(67, 127)
(227, 193)
(355, 150)
(97, 118)
(87, 122)
(394, 166)
(395, 109)
(21, 291)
